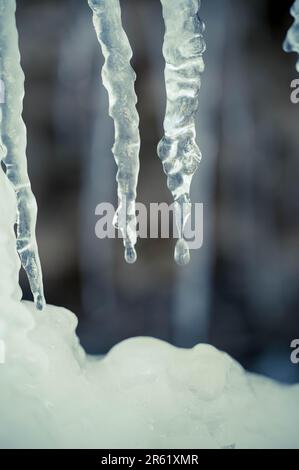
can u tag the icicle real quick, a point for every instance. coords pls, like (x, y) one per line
(13, 149)
(291, 43)
(118, 78)
(10, 262)
(183, 49)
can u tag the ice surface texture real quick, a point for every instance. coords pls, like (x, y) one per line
(143, 394)
(291, 43)
(13, 148)
(183, 51)
(9, 259)
(118, 78)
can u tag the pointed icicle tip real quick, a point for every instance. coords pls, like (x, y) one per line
(130, 255)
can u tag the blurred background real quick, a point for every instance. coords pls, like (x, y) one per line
(240, 291)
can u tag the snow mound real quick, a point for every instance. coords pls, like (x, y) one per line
(144, 394)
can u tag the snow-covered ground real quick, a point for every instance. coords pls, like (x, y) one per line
(145, 393)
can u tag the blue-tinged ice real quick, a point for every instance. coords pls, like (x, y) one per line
(13, 142)
(118, 78)
(291, 43)
(183, 50)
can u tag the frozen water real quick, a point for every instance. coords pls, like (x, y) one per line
(118, 78)
(143, 394)
(177, 150)
(183, 51)
(9, 260)
(291, 43)
(13, 149)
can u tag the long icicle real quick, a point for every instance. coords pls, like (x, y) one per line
(118, 78)
(183, 50)
(13, 149)
(291, 43)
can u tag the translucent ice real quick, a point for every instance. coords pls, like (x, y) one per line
(183, 50)
(143, 394)
(9, 260)
(291, 43)
(118, 78)
(13, 148)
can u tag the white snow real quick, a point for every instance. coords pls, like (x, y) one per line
(144, 394)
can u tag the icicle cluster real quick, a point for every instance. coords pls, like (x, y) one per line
(118, 78)
(291, 43)
(13, 142)
(183, 50)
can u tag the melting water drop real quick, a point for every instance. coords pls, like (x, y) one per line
(130, 254)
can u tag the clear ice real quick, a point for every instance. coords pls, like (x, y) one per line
(183, 51)
(118, 78)
(291, 43)
(13, 143)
